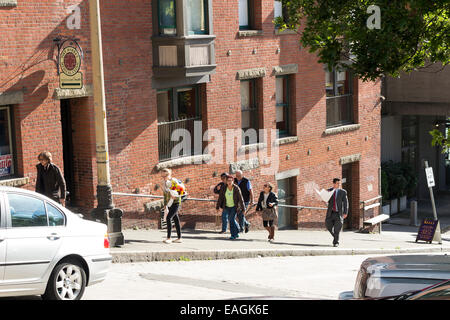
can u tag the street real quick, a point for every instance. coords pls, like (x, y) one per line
(317, 277)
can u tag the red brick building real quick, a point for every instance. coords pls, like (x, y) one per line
(174, 64)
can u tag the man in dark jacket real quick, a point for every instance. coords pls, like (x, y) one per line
(216, 190)
(247, 193)
(337, 210)
(231, 201)
(221, 184)
(50, 182)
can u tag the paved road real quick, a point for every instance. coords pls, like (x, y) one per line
(317, 277)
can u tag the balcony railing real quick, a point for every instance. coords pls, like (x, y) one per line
(339, 110)
(165, 143)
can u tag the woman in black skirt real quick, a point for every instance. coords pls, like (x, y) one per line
(267, 203)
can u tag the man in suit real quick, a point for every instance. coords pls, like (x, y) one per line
(337, 210)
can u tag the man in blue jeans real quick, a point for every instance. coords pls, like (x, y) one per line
(231, 201)
(247, 193)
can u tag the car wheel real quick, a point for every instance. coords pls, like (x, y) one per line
(67, 282)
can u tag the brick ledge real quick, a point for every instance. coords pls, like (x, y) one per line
(285, 140)
(198, 159)
(250, 33)
(15, 182)
(8, 3)
(341, 129)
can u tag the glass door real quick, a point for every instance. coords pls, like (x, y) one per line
(347, 186)
(285, 196)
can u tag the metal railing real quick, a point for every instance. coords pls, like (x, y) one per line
(207, 200)
(165, 129)
(339, 109)
(364, 203)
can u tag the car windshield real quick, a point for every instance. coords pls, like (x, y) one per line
(406, 295)
(439, 292)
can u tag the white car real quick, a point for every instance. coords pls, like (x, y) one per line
(47, 250)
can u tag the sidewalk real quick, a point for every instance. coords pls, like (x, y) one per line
(147, 245)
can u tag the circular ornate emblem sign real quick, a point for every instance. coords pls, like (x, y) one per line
(70, 61)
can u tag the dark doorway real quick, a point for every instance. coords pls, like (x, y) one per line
(286, 216)
(66, 125)
(347, 186)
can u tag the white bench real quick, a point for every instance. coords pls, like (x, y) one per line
(378, 219)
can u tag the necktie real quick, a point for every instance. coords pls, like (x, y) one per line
(334, 205)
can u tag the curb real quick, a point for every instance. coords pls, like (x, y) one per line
(149, 256)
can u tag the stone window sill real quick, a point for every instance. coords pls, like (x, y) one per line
(285, 140)
(198, 159)
(251, 147)
(14, 97)
(250, 33)
(284, 32)
(15, 182)
(8, 3)
(341, 129)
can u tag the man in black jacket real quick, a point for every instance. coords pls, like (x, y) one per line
(50, 182)
(221, 184)
(337, 210)
(247, 193)
(217, 190)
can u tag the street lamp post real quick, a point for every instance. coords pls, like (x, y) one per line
(105, 210)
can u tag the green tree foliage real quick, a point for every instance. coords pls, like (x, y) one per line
(397, 179)
(439, 139)
(412, 34)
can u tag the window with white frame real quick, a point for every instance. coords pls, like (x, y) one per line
(197, 16)
(244, 14)
(280, 10)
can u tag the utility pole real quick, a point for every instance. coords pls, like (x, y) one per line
(105, 211)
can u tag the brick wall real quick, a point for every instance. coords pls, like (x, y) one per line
(27, 62)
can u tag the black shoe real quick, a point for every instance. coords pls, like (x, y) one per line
(335, 244)
(247, 227)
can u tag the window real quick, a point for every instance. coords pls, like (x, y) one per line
(244, 14)
(339, 96)
(26, 211)
(178, 108)
(6, 147)
(55, 217)
(280, 11)
(282, 105)
(197, 13)
(410, 143)
(167, 22)
(249, 110)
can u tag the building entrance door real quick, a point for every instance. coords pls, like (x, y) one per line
(66, 125)
(285, 196)
(347, 186)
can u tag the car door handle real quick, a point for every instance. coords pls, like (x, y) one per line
(53, 237)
